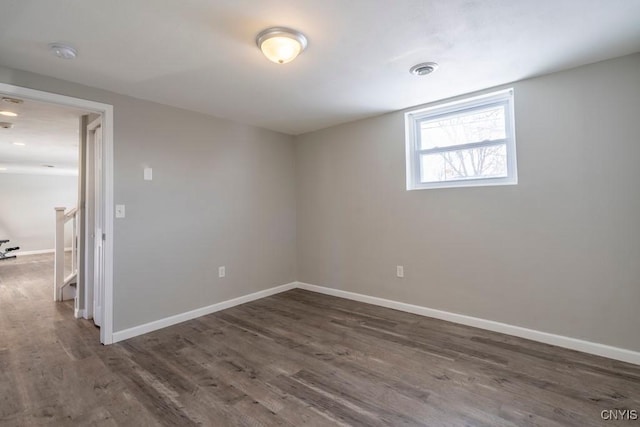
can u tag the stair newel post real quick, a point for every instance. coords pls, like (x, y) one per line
(58, 267)
(74, 243)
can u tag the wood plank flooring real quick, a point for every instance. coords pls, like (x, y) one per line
(293, 359)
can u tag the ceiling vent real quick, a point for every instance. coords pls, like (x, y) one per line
(424, 68)
(63, 50)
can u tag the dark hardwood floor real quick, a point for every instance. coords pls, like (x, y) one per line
(293, 359)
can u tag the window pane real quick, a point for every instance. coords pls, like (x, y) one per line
(473, 163)
(486, 124)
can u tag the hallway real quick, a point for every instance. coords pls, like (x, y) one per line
(46, 356)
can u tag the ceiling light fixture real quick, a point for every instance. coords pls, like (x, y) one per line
(63, 50)
(20, 144)
(424, 68)
(8, 113)
(281, 45)
(3, 169)
(12, 100)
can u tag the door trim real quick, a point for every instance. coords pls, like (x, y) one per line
(95, 302)
(106, 110)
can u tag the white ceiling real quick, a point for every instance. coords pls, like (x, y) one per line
(50, 135)
(201, 54)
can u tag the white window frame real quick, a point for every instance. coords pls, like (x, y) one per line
(413, 151)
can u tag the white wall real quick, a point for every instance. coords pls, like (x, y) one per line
(27, 216)
(558, 253)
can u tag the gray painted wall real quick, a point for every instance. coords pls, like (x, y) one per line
(222, 194)
(27, 216)
(559, 252)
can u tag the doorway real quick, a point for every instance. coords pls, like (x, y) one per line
(95, 293)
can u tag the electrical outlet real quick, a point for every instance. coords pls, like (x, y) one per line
(400, 270)
(222, 271)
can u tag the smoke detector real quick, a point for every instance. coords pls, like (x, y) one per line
(6, 125)
(424, 68)
(63, 50)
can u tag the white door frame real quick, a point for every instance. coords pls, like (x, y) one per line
(106, 110)
(94, 304)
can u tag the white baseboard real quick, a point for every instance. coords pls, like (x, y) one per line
(531, 334)
(504, 328)
(39, 252)
(183, 317)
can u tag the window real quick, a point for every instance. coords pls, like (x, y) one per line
(460, 144)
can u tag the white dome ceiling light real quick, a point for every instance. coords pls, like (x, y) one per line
(281, 45)
(63, 50)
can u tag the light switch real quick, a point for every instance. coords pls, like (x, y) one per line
(119, 211)
(148, 174)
